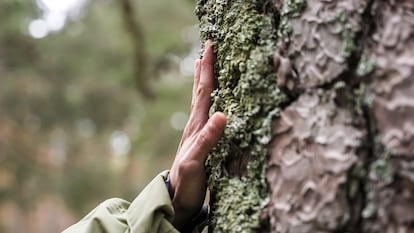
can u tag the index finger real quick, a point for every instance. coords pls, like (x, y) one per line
(209, 136)
(206, 85)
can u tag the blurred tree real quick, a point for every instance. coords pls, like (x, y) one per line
(16, 52)
(135, 31)
(63, 96)
(36, 101)
(16, 48)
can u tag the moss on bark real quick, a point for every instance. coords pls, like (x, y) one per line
(348, 68)
(244, 40)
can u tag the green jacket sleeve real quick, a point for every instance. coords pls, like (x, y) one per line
(151, 211)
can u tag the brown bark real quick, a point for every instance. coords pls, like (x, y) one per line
(342, 159)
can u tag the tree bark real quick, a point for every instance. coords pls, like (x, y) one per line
(320, 101)
(135, 31)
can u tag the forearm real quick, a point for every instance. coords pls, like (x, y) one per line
(151, 211)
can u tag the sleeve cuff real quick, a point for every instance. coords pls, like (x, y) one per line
(152, 209)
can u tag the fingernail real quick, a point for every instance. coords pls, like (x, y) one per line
(208, 43)
(197, 63)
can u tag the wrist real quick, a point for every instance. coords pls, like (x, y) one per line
(185, 222)
(167, 182)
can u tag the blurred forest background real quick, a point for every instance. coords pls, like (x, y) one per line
(94, 95)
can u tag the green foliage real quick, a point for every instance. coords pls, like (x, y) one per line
(16, 49)
(82, 186)
(161, 31)
(84, 72)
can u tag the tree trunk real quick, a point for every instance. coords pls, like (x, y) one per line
(320, 101)
(136, 33)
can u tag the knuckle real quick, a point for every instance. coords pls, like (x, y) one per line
(201, 90)
(187, 167)
(191, 126)
(204, 62)
(204, 137)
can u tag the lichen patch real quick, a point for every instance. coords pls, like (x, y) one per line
(244, 42)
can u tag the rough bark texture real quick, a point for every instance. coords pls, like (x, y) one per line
(244, 37)
(320, 100)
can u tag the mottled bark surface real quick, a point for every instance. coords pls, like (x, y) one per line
(339, 94)
(244, 37)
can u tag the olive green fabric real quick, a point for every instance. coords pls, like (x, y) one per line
(151, 211)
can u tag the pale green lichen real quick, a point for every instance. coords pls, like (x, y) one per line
(369, 210)
(290, 9)
(364, 99)
(348, 44)
(382, 168)
(356, 175)
(381, 174)
(244, 43)
(365, 66)
(348, 34)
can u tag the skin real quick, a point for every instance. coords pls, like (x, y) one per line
(200, 136)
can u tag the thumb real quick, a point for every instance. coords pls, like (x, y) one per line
(210, 135)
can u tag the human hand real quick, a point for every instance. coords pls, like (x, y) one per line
(201, 134)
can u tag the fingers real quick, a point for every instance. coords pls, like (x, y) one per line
(196, 81)
(209, 136)
(207, 75)
(208, 60)
(206, 84)
(202, 88)
(200, 136)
